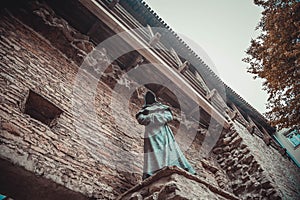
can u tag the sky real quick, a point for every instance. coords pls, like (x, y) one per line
(222, 30)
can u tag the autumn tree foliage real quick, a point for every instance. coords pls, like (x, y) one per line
(274, 56)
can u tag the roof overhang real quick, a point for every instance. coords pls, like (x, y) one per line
(103, 14)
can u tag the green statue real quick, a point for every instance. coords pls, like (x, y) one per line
(160, 147)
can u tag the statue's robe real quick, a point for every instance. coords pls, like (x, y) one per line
(160, 147)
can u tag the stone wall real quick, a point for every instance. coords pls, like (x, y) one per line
(83, 158)
(255, 169)
(95, 146)
(281, 172)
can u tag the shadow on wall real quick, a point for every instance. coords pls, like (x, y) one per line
(19, 183)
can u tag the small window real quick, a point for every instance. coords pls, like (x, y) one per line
(41, 109)
(294, 137)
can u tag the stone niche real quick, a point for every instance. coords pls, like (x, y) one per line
(174, 183)
(41, 109)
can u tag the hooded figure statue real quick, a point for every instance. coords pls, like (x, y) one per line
(160, 147)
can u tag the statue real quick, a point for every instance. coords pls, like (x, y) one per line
(160, 147)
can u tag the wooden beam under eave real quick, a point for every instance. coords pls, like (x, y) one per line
(144, 49)
(258, 130)
(233, 114)
(175, 55)
(243, 120)
(182, 68)
(211, 94)
(155, 39)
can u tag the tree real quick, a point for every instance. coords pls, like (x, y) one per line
(274, 56)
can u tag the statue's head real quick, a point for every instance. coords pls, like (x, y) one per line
(150, 98)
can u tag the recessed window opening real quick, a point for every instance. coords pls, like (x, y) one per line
(41, 109)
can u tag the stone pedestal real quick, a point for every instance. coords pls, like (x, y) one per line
(174, 183)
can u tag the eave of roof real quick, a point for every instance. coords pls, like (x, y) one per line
(146, 16)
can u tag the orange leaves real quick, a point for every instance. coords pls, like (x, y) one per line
(275, 57)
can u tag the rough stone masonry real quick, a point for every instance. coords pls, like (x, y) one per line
(84, 150)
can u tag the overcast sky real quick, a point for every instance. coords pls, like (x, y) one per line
(223, 30)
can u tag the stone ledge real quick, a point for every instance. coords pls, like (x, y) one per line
(165, 185)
